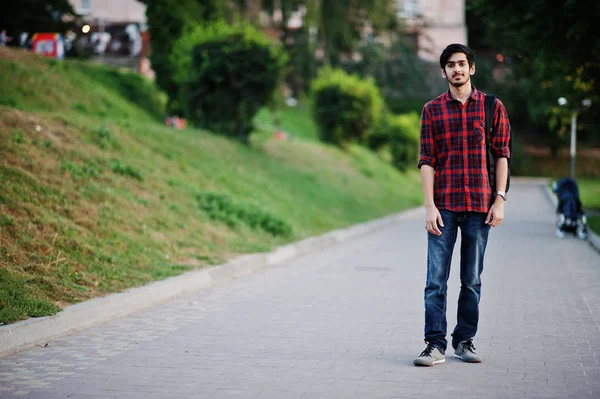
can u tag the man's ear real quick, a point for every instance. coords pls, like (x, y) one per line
(472, 69)
(443, 74)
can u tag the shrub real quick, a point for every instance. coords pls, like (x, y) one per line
(404, 132)
(226, 73)
(223, 208)
(345, 107)
(379, 135)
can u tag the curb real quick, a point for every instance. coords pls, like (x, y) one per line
(38, 331)
(592, 238)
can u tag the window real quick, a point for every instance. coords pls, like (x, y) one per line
(85, 6)
(408, 8)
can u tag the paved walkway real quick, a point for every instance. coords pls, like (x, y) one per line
(346, 323)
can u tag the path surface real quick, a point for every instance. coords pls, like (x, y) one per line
(346, 323)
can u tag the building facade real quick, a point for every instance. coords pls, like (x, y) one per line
(111, 11)
(114, 30)
(434, 23)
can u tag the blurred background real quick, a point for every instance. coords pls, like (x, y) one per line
(143, 139)
(530, 54)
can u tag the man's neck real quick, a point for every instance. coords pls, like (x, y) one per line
(461, 93)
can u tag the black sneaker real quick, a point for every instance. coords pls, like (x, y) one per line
(466, 352)
(430, 356)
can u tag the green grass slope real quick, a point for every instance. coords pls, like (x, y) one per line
(98, 196)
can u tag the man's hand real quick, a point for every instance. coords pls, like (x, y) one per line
(496, 213)
(432, 218)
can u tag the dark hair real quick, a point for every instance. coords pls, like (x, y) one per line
(456, 48)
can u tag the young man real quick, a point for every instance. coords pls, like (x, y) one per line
(458, 195)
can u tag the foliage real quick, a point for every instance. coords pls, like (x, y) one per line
(345, 107)
(547, 63)
(520, 27)
(331, 29)
(167, 21)
(406, 81)
(341, 23)
(403, 131)
(224, 208)
(226, 73)
(35, 16)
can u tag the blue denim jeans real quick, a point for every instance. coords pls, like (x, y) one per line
(474, 235)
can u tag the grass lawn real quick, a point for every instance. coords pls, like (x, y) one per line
(589, 191)
(590, 198)
(295, 121)
(99, 196)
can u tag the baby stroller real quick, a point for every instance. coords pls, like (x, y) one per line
(569, 213)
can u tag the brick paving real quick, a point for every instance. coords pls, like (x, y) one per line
(346, 322)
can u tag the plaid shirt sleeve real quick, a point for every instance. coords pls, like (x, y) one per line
(501, 137)
(427, 146)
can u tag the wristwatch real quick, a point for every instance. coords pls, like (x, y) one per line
(501, 193)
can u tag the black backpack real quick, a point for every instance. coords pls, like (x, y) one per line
(489, 104)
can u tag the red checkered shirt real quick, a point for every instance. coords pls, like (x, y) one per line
(453, 143)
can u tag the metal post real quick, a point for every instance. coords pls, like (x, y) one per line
(573, 142)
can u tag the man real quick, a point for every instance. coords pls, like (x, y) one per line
(458, 195)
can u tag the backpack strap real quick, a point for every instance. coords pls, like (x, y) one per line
(489, 105)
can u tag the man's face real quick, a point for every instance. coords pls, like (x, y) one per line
(457, 70)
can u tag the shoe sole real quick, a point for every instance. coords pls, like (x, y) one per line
(468, 361)
(429, 365)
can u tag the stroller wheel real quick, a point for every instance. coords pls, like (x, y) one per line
(560, 220)
(581, 234)
(560, 233)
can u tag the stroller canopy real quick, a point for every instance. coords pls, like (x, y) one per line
(569, 204)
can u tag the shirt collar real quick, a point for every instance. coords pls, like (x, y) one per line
(475, 95)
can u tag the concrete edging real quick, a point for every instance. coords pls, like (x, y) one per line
(593, 238)
(38, 331)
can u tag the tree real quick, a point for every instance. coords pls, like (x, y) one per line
(339, 23)
(36, 16)
(342, 22)
(167, 20)
(557, 30)
(406, 81)
(554, 46)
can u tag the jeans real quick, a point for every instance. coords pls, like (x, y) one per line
(474, 235)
